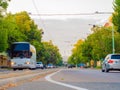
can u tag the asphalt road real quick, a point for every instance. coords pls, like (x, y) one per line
(90, 79)
(75, 79)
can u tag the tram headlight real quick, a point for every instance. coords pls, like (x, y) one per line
(13, 63)
(27, 62)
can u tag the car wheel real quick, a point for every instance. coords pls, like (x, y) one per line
(42, 68)
(103, 70)
(106, 70)
(14, 69)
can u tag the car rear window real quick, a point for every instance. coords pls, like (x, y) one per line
(115, 57)
(39, 62)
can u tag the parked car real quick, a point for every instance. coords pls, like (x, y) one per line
(50, 66)
(71, 66)
(39, 65)
(111, 62)
(82, 65)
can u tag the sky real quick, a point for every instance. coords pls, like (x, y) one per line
(60, 6)
(64, 30)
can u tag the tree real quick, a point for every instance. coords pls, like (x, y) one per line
(3, 6)
(22, 28)
(3, 26)
(76, 56)
(14, 33)
(100, 41)
(96, 46)
(3, 36)
(28, 27)
(116, 15)
(50, 53)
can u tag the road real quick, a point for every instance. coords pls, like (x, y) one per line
(90, 79)
(74, 79)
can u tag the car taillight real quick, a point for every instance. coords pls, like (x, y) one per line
(110, 61)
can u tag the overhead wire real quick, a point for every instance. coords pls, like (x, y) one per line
(59, 14)
(42, 22)
(70, 14)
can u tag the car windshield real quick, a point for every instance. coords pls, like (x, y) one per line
(50, 64)
(115, 57)
(39, 62)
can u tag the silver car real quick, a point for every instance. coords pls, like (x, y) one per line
(111, 62)
(39, 65)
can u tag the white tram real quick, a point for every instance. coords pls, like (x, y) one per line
(22, 56)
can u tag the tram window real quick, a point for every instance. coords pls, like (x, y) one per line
(19, 47)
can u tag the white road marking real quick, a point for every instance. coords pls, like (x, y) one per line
(48, 78)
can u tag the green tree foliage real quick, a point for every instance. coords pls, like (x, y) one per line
(14, 33)
(86, 48)
(3, 27)
(50, 54)
(101, 41)
(23, 21)
(3, 6)
(3, 36)
(116, 15)
(20, 27)
(77, 55)
(28, 27)
(96, 46)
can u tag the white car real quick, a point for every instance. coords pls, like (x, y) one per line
(111, 62)
(39, 65)
(50, 66)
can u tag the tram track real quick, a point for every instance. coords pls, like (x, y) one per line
(15, 78)
(15, 74)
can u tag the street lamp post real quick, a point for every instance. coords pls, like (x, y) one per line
(113, 40)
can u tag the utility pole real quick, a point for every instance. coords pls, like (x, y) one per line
(113, 40)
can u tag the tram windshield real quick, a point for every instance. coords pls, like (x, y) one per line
(20, 50)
